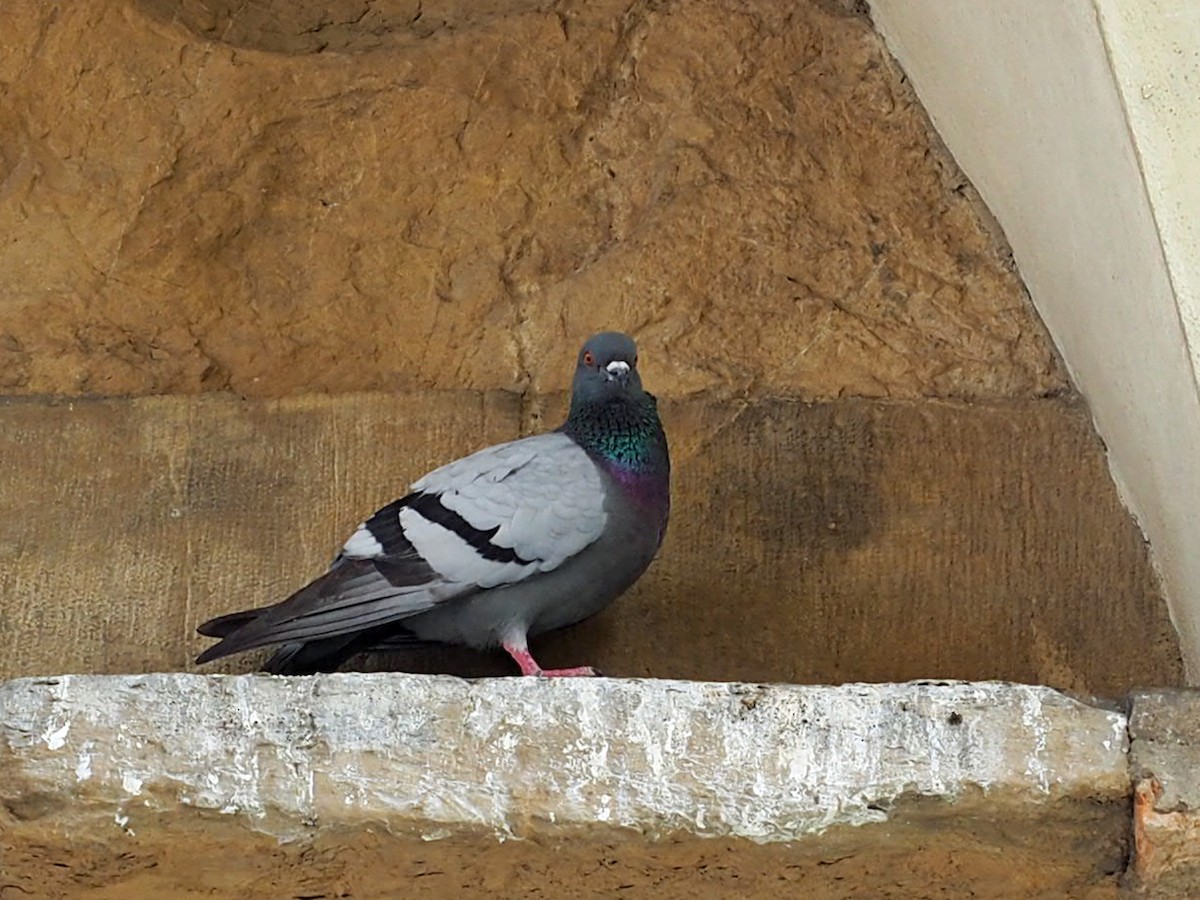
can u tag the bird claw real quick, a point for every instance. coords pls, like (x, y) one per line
(529, 667)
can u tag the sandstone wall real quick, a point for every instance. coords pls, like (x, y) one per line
(854, 541)
(420, 209)
(284, 197)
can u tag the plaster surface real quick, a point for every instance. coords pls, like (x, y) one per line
(1154, 47)
(1026, 98)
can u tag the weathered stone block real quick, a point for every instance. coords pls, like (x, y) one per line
(855, 541)
(1165, 762)
(577, 787)
(291, 196)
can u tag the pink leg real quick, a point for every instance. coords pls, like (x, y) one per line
(520, 653)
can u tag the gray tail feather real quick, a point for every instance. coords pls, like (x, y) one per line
(305, 657)
(310, 657)
(328, 654)
(223, 626)
(397, 639)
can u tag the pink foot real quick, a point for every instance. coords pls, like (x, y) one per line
(529, 665)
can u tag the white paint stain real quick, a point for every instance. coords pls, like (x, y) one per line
(55, 738)
(83, 768)
(131, 784)
(1035, 721)
(122, 822)
(1120, 729)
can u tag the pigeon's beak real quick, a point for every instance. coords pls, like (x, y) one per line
(618, 371)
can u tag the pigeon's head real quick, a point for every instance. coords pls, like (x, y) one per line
(607, 366)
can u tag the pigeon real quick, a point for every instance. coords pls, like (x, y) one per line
(512, 541)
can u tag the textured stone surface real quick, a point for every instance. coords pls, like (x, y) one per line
(831, 785)
(289, 196)
(854, 541)
(1165, 731)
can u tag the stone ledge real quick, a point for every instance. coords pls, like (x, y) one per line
(767, 763)
(847, 784)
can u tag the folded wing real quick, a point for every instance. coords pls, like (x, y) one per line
(497, 517)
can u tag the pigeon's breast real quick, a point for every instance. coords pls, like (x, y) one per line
(581, 587)
(643, 493)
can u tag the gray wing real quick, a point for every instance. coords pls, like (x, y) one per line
(494, 518)
(508, 512)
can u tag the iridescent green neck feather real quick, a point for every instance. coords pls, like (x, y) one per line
(623, 432)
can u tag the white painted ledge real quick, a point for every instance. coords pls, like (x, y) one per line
(515, 757)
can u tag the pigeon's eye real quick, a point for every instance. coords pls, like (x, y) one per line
(588, 359)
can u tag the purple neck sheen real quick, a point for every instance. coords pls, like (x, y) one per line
(625, 438)
(642, 485)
